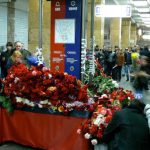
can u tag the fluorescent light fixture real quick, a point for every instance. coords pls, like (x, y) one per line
(146, 19)
(147, 25)
(143, 10)
(145, 15)
(123, 11)
(147, 22)
(146, 37)
(140, 3)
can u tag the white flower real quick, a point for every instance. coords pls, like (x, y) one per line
(16, 79)
(91, 101)
(115, 83)
(34, 73)
(49, 103)
(87, 136)
(94, 142)
(50, 76)
(44, 102)
(14, 93)
(19, 99)
(44, 69)
(31, 104)
(40, 106)
(27, 102)
(104, 96)
(11, 76)
(98, 120)
(79, 131)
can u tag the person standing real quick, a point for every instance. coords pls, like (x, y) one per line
(15, 59)
(25, 53)
(4, 58)
(119, 64)
(127, 63)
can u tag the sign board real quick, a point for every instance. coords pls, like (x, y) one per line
(65, 31)
(123, 11)
(66, 21)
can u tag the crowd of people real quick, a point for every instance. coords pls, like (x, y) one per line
(14, 54)
(129, 128)
(118, 62)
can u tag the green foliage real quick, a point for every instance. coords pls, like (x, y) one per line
(6, 103)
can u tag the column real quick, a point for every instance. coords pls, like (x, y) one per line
(115, 32)
(126, 31)
(98, 26)
(34, 27)
(33, 24)
(10, 21)
(133, 37)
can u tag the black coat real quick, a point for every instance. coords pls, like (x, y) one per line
(128, 129)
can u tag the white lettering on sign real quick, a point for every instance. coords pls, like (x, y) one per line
(57, 60)
(73, 8)
(57, 52)
(57, 9)
(72, 52)
(71, 60)
(40, 58)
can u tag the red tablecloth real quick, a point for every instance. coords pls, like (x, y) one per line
(46, 131)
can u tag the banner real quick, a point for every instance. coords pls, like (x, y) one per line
(66, 24)
(57, 60)
(73, 50)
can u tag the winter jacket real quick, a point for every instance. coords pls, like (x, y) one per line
(128, 129)
(128, 60)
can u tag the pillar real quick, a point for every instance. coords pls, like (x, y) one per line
(34, 27)
(133, 39)
(126, 31)
(98, 26)
(115, 32)
(10, 21)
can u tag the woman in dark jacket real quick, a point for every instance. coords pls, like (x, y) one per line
(128, 129)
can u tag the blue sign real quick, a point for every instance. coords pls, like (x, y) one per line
(73, 50)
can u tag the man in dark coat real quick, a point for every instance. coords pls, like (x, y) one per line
(128, 129)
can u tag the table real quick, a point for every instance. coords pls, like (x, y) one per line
(45, 131)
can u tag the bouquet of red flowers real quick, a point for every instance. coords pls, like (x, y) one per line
(38, 86)
(107, 105)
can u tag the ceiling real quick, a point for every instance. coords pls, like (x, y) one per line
(140, 11)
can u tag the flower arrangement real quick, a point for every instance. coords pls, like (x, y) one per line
(100, 82)
(38, 86)
(107, 105)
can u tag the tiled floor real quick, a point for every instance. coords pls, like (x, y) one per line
(13, 146)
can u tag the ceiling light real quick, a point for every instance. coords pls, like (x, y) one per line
(146, 37)
(147, 22)
(143, 10)
(140, 3)
(146, 19)
(145, 15)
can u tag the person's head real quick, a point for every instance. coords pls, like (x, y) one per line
(17, 57)
(18, 45)
(144, 60)
(97, 48)
(9, 45)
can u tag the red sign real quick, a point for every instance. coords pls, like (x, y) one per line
(58, 8)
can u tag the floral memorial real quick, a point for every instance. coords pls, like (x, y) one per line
(39, 87)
